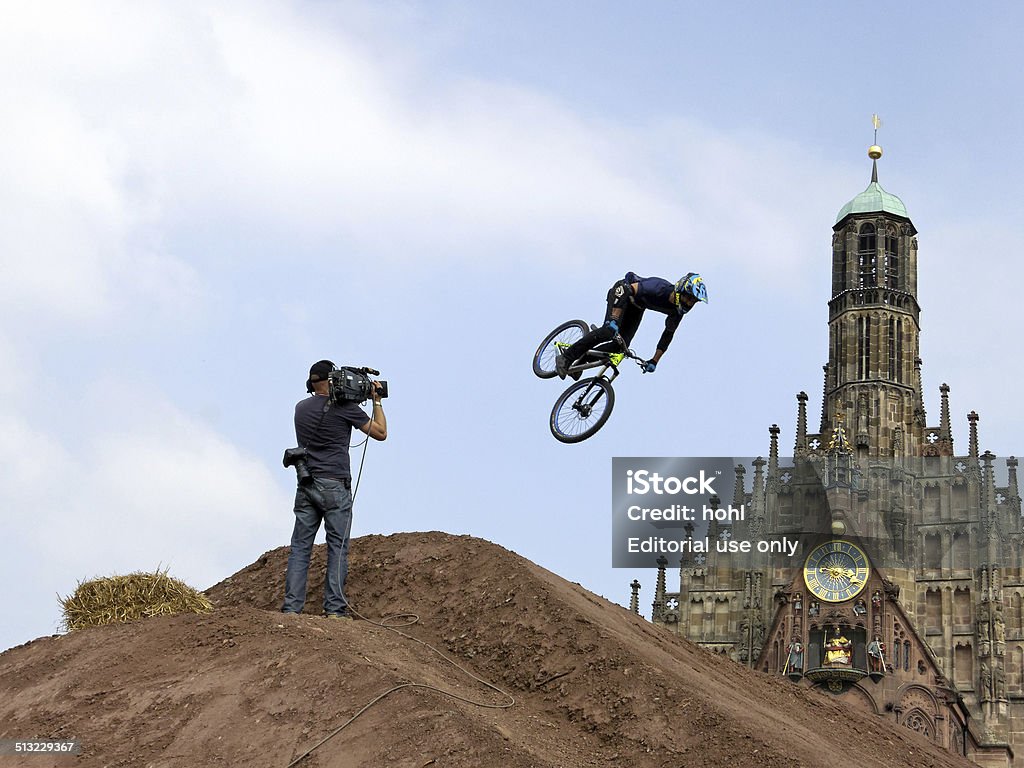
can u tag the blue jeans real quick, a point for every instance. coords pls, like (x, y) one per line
(338, 523)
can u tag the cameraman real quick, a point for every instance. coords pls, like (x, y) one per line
(324, 429)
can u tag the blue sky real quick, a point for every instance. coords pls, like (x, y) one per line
(198, 200)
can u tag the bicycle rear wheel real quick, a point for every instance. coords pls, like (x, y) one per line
(582, 410)
(567, 333)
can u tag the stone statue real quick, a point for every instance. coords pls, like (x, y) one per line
(876, 654)
(795, 662)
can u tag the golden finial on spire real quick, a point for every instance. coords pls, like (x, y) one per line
(875, 151)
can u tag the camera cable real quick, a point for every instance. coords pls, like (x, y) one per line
(406, 619)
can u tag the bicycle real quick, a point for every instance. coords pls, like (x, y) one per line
(586, 405)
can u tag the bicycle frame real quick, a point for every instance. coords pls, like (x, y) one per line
(604, 360)
(585, 406)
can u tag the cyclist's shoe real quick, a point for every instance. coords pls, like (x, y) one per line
(561, 365)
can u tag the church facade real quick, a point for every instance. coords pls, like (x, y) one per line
(907, 597)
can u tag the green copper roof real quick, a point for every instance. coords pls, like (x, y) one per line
(874, 199)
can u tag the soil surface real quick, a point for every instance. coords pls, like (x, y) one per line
(593, 684)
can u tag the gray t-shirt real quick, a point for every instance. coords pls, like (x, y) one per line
(324, 429)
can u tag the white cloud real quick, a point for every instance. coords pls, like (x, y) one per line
(154, 487)
(131, 123)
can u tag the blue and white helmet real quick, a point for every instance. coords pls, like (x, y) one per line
(692, 284)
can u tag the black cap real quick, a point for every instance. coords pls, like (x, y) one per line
(318, 372)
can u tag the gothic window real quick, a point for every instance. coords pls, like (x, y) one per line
(867, 257)
(892, 264)
(696, 619)
(931, 505)
(863, 347)
(1018, 655)
(959, 500)
(962, 550)
(962, 608)
(841, 373)
(906, 655)
(721, 625)
(899, 350)
(933, 551)
(933, 611)
(892, 348)
(963, 665)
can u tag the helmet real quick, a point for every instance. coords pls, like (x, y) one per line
(692, 284)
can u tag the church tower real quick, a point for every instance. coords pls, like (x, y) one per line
(872, 378)
(906, 597)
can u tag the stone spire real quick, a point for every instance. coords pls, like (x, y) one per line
(945, 431)
(634, 600)
(823, 426)
(739, 494)
(800, 449)
(988, 497)
(973, 419)
(758, 491)
(658, 606)
(1013, 491)
(773, 452)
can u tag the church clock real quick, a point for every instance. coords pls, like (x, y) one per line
(836, 571)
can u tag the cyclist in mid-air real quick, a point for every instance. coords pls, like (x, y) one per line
(627, 300)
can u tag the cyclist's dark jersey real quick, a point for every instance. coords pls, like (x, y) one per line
(656, 293)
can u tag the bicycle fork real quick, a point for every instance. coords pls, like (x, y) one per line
(583, 406)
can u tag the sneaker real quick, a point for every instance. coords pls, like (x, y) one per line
(561, 365)
(339, 616)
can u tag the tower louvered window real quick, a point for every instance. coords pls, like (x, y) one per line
(867, 257)
(892, 259)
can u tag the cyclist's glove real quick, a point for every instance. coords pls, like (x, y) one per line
(650, 365)
(614, 325)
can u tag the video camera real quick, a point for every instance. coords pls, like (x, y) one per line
(347, 384)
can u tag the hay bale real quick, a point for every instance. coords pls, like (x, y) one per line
(116, 599)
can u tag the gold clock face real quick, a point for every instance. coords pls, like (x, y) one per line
(836, 571)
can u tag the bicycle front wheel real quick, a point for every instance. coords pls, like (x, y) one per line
(564, 335)
(582, 410)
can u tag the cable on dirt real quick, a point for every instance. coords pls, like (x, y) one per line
(408, 619)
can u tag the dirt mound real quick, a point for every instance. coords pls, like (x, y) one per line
(594, 684)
